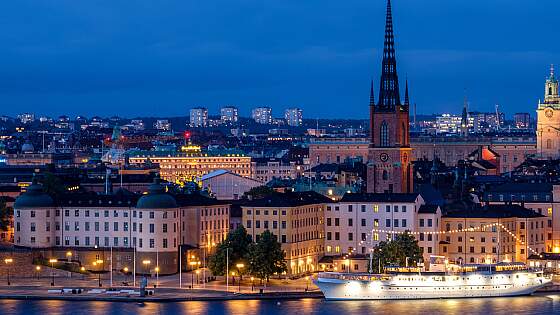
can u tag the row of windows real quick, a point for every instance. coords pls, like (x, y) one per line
(106, 213)
(266, 224)
(375, 208)
(107, 241)
(96, 227)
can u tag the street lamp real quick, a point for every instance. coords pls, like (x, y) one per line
(239, 267)
(95, 263)
(83, 270)
(192, 263)
(8, 261)
(38, 269)
(52, 261)
(157, 276)
(252, 283)
(306, 283)
(68, 255)
(197, 272)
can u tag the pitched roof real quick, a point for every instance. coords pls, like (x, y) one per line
(494, 211)
(369, 197)
(521, 188)
(289, 199)
(428, 209)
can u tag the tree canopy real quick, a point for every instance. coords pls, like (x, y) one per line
(237, 244)
(396, 251)
(5, 214)
(259, 192)
(266, 256)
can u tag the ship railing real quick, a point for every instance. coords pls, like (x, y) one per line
(353, 276)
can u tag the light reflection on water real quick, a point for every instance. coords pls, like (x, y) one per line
(539, 304)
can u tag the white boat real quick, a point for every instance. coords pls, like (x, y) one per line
(468, 281)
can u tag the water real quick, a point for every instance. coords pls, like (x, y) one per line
(538, 304)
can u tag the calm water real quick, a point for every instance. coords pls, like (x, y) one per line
(539, 304)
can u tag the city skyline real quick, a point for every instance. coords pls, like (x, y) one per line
(181, 60)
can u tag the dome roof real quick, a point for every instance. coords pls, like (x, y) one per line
(27, 147)
(34, 197)
(156, 198)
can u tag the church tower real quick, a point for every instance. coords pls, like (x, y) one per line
(389, 167)
(548, 120)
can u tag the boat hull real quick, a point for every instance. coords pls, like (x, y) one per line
(337, 289)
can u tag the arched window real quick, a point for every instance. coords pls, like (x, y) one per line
(460, 227)
(384, 134)
(448, 227)
(385, 175)
(549, 143)
(550, 90)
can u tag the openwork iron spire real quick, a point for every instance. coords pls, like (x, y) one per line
(406, 99)
(371, 95)
(389, 98)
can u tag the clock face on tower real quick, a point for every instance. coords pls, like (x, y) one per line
(548, 113)
(384, 157)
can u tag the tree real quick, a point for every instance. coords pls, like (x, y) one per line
(266, 256)
(396, 251)
(237, 244)
(5, 214)
(259, 192)
(53, 185)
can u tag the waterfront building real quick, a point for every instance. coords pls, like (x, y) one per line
(119, 228)
(293, 117)
(229, 115)
(548, 120)
(353, 224)
(198, 117)
(262, 115)
(493, 233)
(297, 221)
(389, 154)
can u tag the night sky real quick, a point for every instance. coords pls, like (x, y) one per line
(159, 58)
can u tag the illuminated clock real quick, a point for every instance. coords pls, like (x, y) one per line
(548, 112)
(384, 157)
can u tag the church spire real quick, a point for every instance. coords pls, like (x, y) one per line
(389, 98)
(406, 99)
(371, 95)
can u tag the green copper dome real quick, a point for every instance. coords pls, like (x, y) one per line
(34, 197)
(156, 198)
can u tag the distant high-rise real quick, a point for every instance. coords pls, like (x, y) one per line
(522, 120)
(162, 124)
(294, 117)
(26, 118)
(199, 117)
(229, 114)
(262, 115)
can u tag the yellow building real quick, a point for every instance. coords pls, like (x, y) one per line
(297, 220)
(183, 167)
(493, 233)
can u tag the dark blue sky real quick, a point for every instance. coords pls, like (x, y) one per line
(157, 58)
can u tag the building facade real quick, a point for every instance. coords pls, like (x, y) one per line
(548, 120)
(293, 117)
(229, 114)
(198, 117)
(262, 115)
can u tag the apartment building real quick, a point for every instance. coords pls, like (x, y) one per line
(297, 220)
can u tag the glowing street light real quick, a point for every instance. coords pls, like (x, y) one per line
(252, 283)
(239, 267)
(8, 261)
(52, 261)
(157, 276)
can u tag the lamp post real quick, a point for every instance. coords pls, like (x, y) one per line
(306, 283)
(95, 263)
(125, 269)
(146, 264)
(8, 261)
(197, 272)
(239, 266)
(38, 269)
(157, 276)
(52, 261)
(83, 270)
(69, 259)
(252, 283)
(192, 263)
